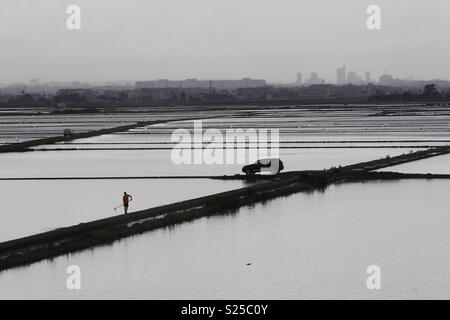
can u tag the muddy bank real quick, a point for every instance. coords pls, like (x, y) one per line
(226, 177)
(404, 158)
(224, 148)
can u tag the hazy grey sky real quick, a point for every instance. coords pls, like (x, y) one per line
(221, 39)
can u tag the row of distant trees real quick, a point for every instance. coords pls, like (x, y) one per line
(429, 94)
(89, 97)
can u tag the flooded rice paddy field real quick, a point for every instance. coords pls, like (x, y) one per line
(371, 122)
(305, 246)
(437, 165)
(149, 163)
(314, 245)
(22, 127)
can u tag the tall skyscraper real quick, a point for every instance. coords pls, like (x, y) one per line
(341, 75)
(353, 78)
(299, 78)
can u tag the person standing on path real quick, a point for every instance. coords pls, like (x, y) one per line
(126, 201)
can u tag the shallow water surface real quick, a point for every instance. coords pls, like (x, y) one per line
(435, 165)
(138, 163)
(308, 245)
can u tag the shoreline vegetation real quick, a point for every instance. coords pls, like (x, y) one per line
(62, 241)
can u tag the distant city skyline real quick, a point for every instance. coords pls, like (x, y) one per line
(215, 39)
(343, 75)
(346, 76)
(304, 76)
